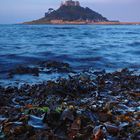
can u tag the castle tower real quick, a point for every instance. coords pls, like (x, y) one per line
(77, 3)
(70, 3)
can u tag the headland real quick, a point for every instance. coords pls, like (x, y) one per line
(71, 12)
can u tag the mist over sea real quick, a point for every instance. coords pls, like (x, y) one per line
(82, 46)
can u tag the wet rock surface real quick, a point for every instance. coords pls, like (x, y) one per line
(86, 106)
(24, 70)
(47, 67)
(55, 66)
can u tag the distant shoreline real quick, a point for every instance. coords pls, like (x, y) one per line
(80, 23)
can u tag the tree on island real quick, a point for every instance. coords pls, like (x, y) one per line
(50, 10)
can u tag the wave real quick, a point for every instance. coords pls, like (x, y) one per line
(42, 45)
(64, 28)
(136, 43)
(134, 33)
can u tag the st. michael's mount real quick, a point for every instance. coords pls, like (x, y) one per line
(70, 12)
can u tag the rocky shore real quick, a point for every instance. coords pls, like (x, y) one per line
(58, 22)
(91, 105)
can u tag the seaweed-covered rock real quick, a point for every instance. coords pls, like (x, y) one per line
(85, 106)
(24, 70)
(55, 66)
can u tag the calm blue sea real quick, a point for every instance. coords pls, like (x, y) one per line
(82, 46)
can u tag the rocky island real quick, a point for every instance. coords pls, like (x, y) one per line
(70, 12)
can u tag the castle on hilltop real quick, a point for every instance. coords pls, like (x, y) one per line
(72, 11)
(70, 3)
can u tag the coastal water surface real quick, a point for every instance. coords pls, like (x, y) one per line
(82, 46)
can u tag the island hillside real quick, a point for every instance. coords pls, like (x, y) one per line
(71, 12)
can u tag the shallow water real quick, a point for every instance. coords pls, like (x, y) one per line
(83, 46)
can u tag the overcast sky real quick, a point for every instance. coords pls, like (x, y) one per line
(15, 11)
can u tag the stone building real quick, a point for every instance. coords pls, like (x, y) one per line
(70, 3)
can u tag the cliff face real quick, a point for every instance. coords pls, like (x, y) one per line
(73, 13)
(70, 14)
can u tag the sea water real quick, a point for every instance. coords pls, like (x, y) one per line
(109, 47)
